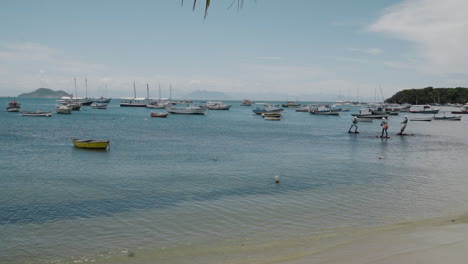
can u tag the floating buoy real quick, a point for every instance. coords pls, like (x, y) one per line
(381, 157)
(277, 179)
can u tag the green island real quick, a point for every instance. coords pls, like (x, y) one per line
(44, 93)
(431, 95)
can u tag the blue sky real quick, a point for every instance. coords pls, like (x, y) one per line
(270, 49)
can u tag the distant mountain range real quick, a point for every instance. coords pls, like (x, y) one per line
(45, 93)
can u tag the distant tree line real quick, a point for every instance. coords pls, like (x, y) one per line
(430, 95)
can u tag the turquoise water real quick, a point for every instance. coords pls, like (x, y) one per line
(169, 184)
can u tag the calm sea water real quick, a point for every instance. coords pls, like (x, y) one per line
(185, 185)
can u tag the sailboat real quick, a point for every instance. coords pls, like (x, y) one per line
(102, 99)
(71, 101)
(86, 100)
(160, 103)
(133, 101)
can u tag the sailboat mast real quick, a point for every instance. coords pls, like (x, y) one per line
(76, 95)
(381, 93)
(147, 91)
(358, 94)
(159, 84)
(170, 92)
(86, 84)
(134, 90)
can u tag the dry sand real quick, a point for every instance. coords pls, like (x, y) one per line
(429, 243)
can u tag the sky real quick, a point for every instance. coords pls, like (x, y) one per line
(268, 49)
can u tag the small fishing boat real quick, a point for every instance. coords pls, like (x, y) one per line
(427, 119)
(69, 101)
(99, 105)
(463, 110)
(63, 109)
(266, 108)
(158, 104)
(272, 114)
(217, 106)
(449, 118)
(272, 118)
(291, 104)
(37, 113)
(13, 106)
(305, 108)
(90, 143)
(161, 115)
(247, 102)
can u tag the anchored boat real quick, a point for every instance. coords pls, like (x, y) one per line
(36, 113)
(160, 115)
(90, 143)
(13, 106)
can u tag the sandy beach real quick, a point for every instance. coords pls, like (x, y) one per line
(435, 241)
(431, 241)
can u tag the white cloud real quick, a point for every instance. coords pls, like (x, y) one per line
(32, 65)
(371, 51)
(436, 28)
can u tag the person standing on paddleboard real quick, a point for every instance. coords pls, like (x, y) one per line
(354, 124)
(384, 126)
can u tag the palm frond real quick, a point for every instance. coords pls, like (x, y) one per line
(206, 7)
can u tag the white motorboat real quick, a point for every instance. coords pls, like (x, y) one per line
(63, 109)
(217, 106)
(99, 105)
(423, 109)
(187, 109)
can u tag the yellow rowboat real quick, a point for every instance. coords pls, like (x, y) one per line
(90, 143)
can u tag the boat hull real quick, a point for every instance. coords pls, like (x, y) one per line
(425, 112)
(90, 144)
(63, 110)
(219, 107)
(369, 116)
(324, 113)
(448, 118)
(272, 118)
(424, 119)
(37, 113)
(13, 109)
(186, 112)
(132, 105)
(160, 115)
